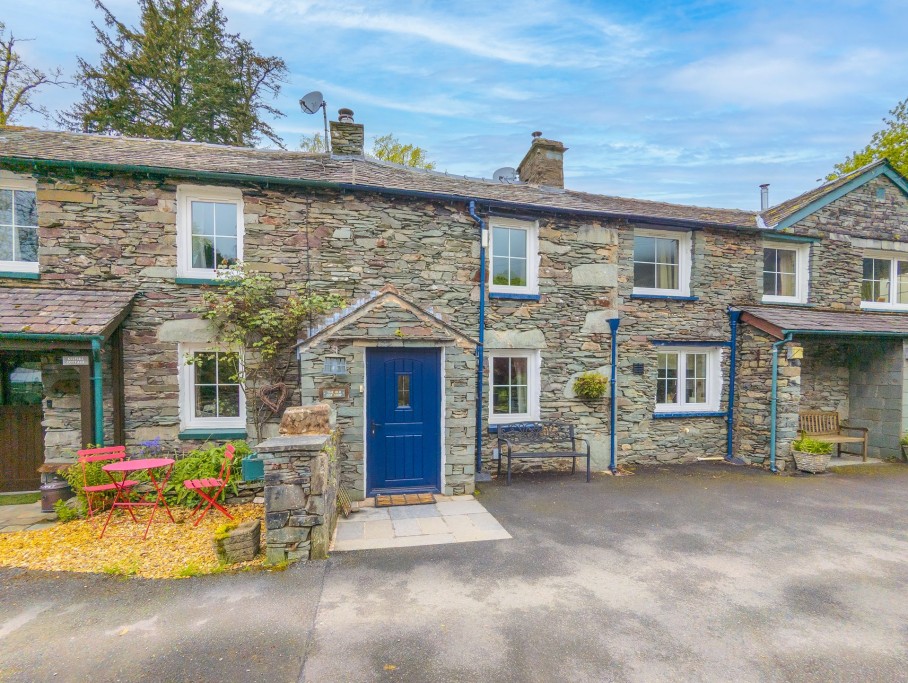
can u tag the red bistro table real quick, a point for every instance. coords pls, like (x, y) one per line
(127, 466)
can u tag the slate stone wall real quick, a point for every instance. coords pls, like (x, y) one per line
(877, 381)
(825, 376)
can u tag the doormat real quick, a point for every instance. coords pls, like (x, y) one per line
(404, 499)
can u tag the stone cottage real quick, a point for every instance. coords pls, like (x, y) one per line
(469, 304)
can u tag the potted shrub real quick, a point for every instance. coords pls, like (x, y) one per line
(904, 442)
(591, 386)
(811, 455)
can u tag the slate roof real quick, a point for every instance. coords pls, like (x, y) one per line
(778, 213)
(777, 320)
(62, 311)
(354, 172)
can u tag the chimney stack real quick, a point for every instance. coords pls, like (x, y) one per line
(764, 196)
(544, 163)
(347, 138)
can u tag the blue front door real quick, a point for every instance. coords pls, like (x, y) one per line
(403, 420)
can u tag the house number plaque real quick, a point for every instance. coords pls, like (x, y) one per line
(335, 393)
(75, 360)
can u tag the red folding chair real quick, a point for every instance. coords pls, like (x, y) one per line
(106, 454)
(209, 490)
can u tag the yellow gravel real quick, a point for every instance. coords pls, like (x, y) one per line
(171, 550)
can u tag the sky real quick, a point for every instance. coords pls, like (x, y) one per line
(694, 102)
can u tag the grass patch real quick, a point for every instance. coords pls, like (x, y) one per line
(19, 498)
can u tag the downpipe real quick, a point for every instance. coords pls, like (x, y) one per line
(733, 318)
(480, 351)
(97, 380)
(613, 324)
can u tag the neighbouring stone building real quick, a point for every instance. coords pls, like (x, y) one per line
(107, 244)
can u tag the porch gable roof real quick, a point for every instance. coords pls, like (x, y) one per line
(32, 312)
(778, 321)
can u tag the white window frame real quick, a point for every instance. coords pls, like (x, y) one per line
(186, 194)
(802, 272)
(713, 380)
(534, 366)
(685, 244)
(892, 257)
(11, 181)
(532, 230)
(188, 420)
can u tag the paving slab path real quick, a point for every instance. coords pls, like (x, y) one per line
(702, 573)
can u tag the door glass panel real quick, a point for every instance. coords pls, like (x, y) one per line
(23, 380)
(403, 390)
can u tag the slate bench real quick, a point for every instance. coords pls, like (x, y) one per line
(824, 425)
(540, 440)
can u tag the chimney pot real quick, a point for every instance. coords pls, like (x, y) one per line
(347, 138)
(764, 196)
(543, 163)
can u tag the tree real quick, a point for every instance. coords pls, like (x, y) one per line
(389, 148)
(19, 82)
(889, 143)
(313, 143)
(262, 327)
(177, 76)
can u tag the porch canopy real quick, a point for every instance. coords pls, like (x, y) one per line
(779, 321)
(50, 320)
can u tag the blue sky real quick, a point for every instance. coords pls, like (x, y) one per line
(692, 102)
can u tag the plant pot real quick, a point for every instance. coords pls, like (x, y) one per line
(905, 451)
(811, 462)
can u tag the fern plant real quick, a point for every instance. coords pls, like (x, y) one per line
(203, 463)
(591, 386)
(813, 446)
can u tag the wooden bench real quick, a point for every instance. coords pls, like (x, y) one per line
(824, 425)
(540, 440)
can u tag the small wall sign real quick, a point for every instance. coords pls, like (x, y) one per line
(75, 360)
(334, 393)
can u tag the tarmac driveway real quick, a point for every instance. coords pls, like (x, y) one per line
(703, 573)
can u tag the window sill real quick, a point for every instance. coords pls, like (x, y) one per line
(514, 295)
(667, 415)
(213, 434)
(20, 275)
(670, 297)
(197, 281)
(784, 302)
(885, 308)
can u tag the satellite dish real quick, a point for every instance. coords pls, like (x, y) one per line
(312, 102)
(505, 175)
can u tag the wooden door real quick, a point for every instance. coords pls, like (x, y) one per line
(21, 447)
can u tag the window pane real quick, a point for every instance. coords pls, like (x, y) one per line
(667, 378)
(228, 400)
(227, 368)
(226, 251)
(28, 244)
(769, 260)
(867, 291)
(403, 390)
(667, 251)
(519, 371)
(500, 242)
(666, 276)
(6, 207)
(902, 282)
(206, 401)
(6, 243)
(500, 371)
(501, 401)
(205, 368)
(500, 271)
(225, 219)
(519, 400)
(202, 252)
(644, 275)
(769, 284)
(787, 261)
(787, 284)
(26, 211)
(518, 272)
(519, 243)
(202, 218)
(645, 249)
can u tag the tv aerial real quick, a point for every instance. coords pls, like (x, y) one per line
(311, 103)
(505, 175)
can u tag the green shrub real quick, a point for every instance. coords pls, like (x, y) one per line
(67, 514)
(591, 386)
(203, 463)
(807, 445)
(904, 439)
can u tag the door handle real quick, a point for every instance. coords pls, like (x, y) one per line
(373, 426)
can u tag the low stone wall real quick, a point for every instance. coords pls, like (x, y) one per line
(301, 480)
(247, 492)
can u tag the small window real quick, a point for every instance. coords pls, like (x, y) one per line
(210, 229)
(661, 263)
(688, 380)
(785, 273)
(211, 392)
(403, 390)
(514, 386)
(514, 257)
(18, 226)
(884, 282)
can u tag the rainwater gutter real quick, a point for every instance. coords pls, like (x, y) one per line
(483, 242)
(613, 324)
(733, 318)
(774, 400)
